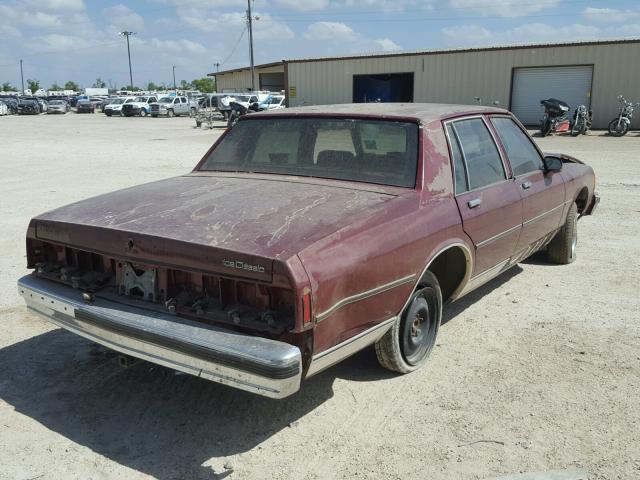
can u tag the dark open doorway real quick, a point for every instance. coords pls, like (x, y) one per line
(383, 87)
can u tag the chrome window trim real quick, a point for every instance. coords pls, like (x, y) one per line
(452, 161)
(363, 295)
(508, 176)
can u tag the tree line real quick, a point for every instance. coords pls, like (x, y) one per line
(205, 85)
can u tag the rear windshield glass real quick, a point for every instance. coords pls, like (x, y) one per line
(381, 152)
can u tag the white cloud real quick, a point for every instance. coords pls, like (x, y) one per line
(303, 6)
(387, 5)
(470, 33)
(387, 45)
(476, 35)
(330, 31)
(58, 6)
(610, 15)
(121, 17)
(503, 8)
(266, 28)
(178, 46)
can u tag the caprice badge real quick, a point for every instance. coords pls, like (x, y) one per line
(240, 265)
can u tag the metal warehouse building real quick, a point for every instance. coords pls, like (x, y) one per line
(593, 73)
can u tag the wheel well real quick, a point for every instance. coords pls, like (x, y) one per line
(581, 199)
(450, 268)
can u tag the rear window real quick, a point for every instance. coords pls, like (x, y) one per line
(381, 152)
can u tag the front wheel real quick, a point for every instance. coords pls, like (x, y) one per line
(407, 345)
(169, 113)
(618, 127)
(545, 128)
(143, 112)
(578, 127)
(562, 248)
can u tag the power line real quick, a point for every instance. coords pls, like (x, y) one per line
(235, 47)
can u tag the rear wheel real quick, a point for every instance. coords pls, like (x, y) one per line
(407, 345)
(562, 248)
(618, 127)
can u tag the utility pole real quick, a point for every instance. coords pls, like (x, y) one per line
(174, 80)
(22, 76)
(127, 35)
(249, 22)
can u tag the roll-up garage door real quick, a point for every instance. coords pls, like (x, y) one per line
(530, 85)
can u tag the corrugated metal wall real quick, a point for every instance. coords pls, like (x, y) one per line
(241, 81)
(458, 77)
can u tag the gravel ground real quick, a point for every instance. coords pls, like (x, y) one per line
(540, 367)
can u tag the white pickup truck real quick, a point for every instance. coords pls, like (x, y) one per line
(172, 106)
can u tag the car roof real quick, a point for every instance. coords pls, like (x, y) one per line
(424, 112)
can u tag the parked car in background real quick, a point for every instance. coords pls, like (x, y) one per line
(58, 106)
(106, 101)
(27, 106)
(85, 106)
(173, 106)
(141, 106)
(115, 107)
(4, 109)
(43, 104)
(11, 103)
(276, 102)
(336, 227)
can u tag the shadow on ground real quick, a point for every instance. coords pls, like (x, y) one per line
(152, 420)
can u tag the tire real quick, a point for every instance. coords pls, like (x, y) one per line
(578, 127)
(233, 119)
(562, 248)
(154, 115)
(170, 113)
(545, 128)
(407, 345)
(198, 124)
(618, 129)
(108, 114)
(143, 112)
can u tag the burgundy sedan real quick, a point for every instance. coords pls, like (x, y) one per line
(304, 235)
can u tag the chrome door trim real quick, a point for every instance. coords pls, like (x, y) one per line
(538, 217)
(348, 347)
(498, 236)
(363, 295)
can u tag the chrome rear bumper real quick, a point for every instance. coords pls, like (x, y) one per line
(259, 365)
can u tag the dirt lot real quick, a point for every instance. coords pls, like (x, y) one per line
(541, 367)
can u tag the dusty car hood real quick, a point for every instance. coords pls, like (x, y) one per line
(267, 218)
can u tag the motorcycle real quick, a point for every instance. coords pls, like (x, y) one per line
(238, 110)
(620, 125)
(582, 119)
(555, 117)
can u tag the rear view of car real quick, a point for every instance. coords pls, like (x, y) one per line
(58, 106)
(85, 106)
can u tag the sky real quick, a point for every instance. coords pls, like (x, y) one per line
(61, 40)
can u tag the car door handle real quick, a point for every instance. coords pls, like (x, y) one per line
(526, 185)
(474, 203)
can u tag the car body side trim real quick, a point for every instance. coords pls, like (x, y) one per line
(498, 236)
(538, 217)
(350, 346)
(363, 295)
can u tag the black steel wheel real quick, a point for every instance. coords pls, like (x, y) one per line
(407, 345)
(578, 127)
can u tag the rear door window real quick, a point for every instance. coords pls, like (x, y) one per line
(481, 155)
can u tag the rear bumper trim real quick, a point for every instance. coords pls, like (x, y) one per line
(263, 366)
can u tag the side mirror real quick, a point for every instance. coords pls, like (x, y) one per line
(552, 164)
